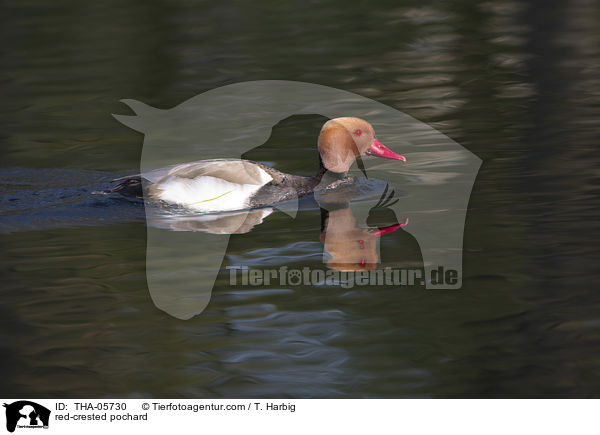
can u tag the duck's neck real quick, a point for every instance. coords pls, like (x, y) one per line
(322, 179)
(331, 176)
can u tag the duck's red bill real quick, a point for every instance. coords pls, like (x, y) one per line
(378, 149)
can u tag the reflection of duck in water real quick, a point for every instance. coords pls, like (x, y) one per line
(234, 184)
(352, 248)
(238, 222)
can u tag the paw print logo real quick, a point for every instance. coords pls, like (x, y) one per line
(294, 277)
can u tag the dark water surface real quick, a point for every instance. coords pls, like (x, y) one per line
(515, 82)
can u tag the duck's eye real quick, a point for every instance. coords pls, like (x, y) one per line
(357, 132)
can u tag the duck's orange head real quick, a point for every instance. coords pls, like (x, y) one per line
(342, 140)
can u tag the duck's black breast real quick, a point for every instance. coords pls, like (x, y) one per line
(286, 187)
(283, 187)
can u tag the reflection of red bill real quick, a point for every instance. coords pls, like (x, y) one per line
(389, 229)
(378, 149)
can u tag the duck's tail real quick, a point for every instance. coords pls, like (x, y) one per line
(129, 186)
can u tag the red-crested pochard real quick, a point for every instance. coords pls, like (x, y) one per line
(234, 184)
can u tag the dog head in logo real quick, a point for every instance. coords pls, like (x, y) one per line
(26, 413)
(182, 266)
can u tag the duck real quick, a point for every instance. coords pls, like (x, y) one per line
(224, 185)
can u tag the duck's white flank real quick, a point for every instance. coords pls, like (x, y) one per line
(210, 194)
